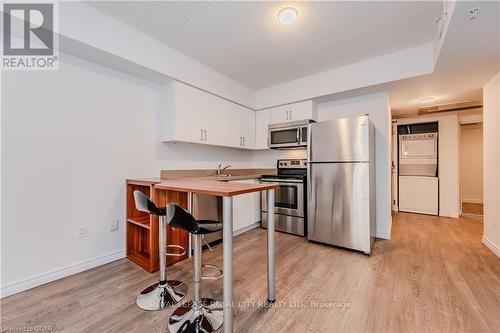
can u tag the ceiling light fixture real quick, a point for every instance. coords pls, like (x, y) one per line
(287, 15)
(427, 100)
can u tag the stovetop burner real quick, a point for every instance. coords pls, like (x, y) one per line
(289, 169)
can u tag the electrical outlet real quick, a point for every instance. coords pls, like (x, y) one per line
(81, 231)
(113, 225)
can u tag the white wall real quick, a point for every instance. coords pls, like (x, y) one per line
(449, 161)
(377, 106)
(394, 66)
(102, 42)
(491, 150)
(471, 163)
(268, 158)
(70, 138)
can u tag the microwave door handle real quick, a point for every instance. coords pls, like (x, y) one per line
(298, 135)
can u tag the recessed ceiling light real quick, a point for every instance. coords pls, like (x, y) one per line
(287, 15)
(427, 100)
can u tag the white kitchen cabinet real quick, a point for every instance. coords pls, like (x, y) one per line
(246, 127)
(192, 115)
(279, 114)
(180, 117)
(246, 208)
(262, 121)
(296, 111)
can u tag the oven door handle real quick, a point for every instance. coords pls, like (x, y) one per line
(270, 180)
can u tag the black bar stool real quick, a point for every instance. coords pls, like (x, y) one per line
(164, 293)
(201, 314)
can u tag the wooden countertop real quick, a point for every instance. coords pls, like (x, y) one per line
(144, 181)
(212, 187)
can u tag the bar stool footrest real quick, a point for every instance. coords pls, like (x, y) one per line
(174, 246)
(212, 266)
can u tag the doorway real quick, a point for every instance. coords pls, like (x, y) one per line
(471, 168)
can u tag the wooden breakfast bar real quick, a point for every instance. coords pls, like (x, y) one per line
(228, 191)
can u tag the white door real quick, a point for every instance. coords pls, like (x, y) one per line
(262, 121)
(419, 194)
(279, 114)
(248, 125)
(301, 111)
(189, 108)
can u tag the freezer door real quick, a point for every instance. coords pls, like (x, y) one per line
(347, 140)
(339, 209)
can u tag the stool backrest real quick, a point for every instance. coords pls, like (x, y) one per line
(177, 217)
(143, 204)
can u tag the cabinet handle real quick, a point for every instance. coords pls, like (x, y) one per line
(201, 133)
(291, 115)
(205, 134)
(287, 117)
(243, 141)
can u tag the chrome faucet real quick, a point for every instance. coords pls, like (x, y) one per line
(220, 171)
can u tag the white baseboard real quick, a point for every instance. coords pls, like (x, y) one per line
(382, 235)
(59, 273)
(449, 214)
(489, 244)
(245, 229)
(476, 201)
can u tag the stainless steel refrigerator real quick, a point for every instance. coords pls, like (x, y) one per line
(341, 183)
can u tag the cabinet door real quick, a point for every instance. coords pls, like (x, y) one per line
(262, 121)
(190, 112)
(220, 122)
(246, 208)
(279, 114)
(302, 110)
(247, 126)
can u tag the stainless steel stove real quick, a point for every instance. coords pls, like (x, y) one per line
(290, 198)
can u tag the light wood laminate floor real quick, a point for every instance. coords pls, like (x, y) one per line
(433, 276)
(472, 208)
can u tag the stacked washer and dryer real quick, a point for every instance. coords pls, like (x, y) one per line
(418, 172)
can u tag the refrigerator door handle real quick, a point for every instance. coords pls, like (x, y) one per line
(309, 183)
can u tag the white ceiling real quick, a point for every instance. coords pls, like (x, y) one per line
(469, 59)
(244, 41)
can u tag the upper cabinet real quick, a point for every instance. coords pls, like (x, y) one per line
(296, 111)
(191, 115)
(188, 114)
(262, 121)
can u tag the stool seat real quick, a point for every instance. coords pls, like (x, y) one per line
(207, 227)
(179, 218)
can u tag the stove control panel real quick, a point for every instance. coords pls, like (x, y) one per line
(292, 164)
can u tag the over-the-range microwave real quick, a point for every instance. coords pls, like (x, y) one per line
(289, 135)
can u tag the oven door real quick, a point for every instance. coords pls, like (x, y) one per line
(284, 137)
(288, 197)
